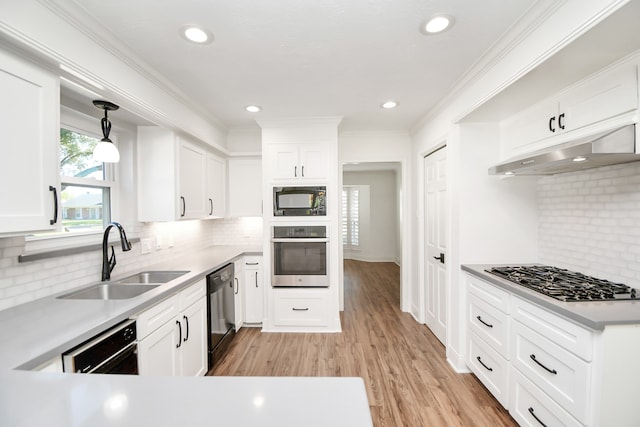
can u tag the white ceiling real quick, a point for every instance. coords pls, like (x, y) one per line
(300, 58)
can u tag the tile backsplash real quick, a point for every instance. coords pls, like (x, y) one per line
(589, 221)
(24, 282)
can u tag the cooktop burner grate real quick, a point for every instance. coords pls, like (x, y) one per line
(564, 285)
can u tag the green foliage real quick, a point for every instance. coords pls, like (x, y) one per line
(75, 152)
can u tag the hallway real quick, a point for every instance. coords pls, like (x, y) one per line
(408, 380)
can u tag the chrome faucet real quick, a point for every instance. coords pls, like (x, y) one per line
(108, 263)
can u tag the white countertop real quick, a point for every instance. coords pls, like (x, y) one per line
(35, 332)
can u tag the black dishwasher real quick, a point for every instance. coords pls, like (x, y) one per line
(220, 312)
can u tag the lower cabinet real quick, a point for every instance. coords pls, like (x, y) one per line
(253, 287)
(172, 337)
(301, 308)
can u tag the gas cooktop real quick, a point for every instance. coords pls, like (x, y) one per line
(564, 285)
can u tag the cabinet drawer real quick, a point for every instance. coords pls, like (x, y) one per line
(151, 319)
(490, 368)
(568, 335)
(193, 293)
(489, 293)
(530, 407)
(490, 324)
(564, 377)
(301, 310)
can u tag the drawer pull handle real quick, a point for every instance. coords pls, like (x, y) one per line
(485, 366)
(534, 416)
(488, 325)
(300, 309)
(552, 371)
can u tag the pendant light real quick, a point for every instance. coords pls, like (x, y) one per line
(106, 151)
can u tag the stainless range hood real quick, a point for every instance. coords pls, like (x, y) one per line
(607, 148)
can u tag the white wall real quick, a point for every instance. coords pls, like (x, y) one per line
(379, 235)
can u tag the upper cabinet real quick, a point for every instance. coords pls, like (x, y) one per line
(29, 128)
(591, 103)
(177, 179)
(245, 187)
(216, 186)
(297, 162)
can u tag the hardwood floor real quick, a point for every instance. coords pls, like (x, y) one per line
(408, 381)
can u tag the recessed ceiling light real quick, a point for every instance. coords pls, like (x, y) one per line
(253, 108)
(196, 34)
(389, 104)
(436, 24)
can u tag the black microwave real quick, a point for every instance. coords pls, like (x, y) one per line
(299, 201)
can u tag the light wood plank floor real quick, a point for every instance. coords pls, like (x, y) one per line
(408, 381)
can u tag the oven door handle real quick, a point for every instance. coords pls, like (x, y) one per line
(306, 240)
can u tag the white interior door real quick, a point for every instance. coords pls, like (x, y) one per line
(435, 286)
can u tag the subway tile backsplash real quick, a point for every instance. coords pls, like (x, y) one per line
(24, 282)
(589, 221)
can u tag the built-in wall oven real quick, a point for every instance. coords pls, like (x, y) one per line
(300, 256)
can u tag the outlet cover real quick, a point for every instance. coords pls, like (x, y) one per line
(145, 246)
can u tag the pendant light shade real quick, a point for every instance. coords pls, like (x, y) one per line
(106, 151)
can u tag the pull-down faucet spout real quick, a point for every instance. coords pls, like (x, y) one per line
(108, 263)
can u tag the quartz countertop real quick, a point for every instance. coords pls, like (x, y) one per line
(594, 315)
(34, 333)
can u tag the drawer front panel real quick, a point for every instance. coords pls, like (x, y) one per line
(530, 407)
(156, 316)
(568, 335)
(296, 310)
(563, 376)
(489, 293)
(490, 324)
(490, 368)
(193, 293)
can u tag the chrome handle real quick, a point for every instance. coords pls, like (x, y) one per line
(236, 287)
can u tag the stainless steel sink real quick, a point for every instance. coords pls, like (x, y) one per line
(106, 291)
(152, 277)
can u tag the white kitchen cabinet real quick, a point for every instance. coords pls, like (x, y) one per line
(30, 130)
(238, 293)
(172, 177)
(253, 290)
(590, 102)
(297, 162)
(557, 372)
(245, 187)
(306, 307)
(216, 186)
(172, 335)
(488, 337)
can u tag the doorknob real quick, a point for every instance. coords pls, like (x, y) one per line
(441, 257)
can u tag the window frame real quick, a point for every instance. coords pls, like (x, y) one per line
(76, 121)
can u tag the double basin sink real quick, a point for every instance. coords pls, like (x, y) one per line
(126, 288)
